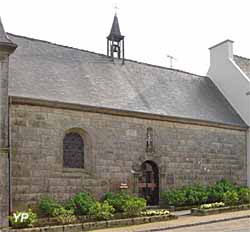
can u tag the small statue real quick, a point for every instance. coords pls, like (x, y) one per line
(150, 147)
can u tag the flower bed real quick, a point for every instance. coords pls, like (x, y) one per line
(158, 212)
(210, 211)
(82, 210)
(212, 205)
(53, 221)
(97, 225)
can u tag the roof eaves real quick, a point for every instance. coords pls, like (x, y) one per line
(120, 112)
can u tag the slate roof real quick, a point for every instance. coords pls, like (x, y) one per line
(42, 70)
(243, 63)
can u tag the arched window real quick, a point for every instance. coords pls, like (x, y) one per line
(73, 151)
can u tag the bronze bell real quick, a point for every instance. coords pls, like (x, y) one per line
(115, 48)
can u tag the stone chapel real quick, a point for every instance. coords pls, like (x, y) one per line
(73, 120)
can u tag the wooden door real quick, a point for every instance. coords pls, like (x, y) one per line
(149, 182)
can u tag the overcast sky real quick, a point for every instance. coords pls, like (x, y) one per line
(184, 29)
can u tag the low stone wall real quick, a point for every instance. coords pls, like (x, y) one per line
(204, 212)
(95, 225)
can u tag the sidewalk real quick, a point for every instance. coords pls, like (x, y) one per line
(182, 221)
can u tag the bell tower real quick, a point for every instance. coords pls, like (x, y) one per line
(6, 48)
(115, 41)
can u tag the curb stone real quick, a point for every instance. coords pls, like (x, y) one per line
(195, 224)
(86, 226)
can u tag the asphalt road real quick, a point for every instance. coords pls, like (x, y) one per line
(241, 225)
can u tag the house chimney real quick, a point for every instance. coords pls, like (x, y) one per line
(221, 52)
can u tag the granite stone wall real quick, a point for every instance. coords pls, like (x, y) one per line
(115, 147)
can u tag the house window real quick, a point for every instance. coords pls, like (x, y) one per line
(73, 151)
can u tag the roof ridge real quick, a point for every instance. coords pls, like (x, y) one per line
(103, 55)
(242, 57)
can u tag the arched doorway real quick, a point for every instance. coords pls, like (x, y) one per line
(149, 182)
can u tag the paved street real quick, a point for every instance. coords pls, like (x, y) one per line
(241, 225)
(238, 225)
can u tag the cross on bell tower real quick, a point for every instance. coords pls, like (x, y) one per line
(115, 41)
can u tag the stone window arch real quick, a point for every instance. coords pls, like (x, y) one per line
(73, 150)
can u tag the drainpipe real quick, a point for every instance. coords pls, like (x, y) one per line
(9, 156)
(248, 144)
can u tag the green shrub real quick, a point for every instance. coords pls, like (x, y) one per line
(216, 191)
(230, 198)
(117, 200)
(80, 203)
(102, 211)
(244, 195)
(64, 216)
(124, 202)
(47, 205)
(174, 197)
(17, 222)
(195, 194)
(134, 205)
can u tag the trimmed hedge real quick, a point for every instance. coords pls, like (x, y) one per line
(221, 191)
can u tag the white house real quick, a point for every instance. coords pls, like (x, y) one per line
(231, 74)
